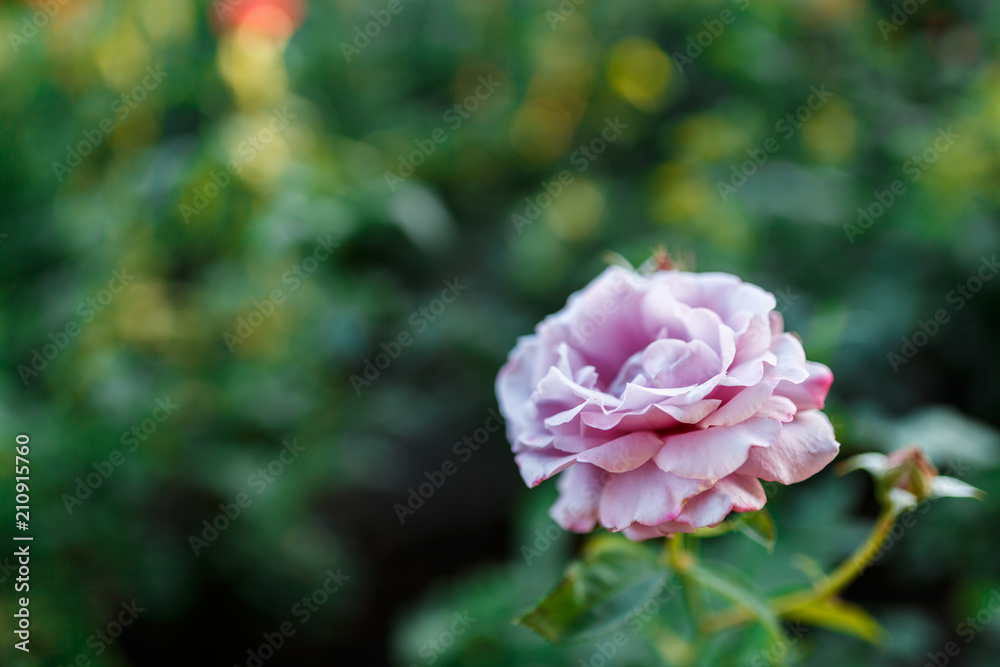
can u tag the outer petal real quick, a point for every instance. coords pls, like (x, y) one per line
(735, 493)
(625, 453)
(638, 532)
(724, 293)
(515, 384)
(645, 495)
(537, 465)
(717, 451)
(787, 365)
(580, 490)
(791, 358)
(811, 393)
(806, 445)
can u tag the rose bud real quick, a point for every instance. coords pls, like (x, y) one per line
(906, 477)
(909, 469)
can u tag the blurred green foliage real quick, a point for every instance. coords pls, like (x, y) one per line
(216, 185)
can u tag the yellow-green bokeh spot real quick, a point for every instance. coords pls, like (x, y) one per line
(640, 72)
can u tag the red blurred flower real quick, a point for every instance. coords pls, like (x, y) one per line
(272, 18)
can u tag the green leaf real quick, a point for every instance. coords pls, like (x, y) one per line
(949, 487)
(841, 616)
(596, 596)
(745, 646)
(759, 527)
(900, 500)
(873, 463)
(741, 595)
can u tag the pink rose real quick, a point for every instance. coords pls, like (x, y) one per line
(664, 399)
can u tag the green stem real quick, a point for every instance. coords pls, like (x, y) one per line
(681, 560)
(845, 573)
(860, 560)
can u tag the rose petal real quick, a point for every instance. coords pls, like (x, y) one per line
(717, 451)
(806, 445)
(791, 358)
(741, 407)
(754, 341)
(637, 397)
(515, 385)
(778, 407)
(811, 393)
(652, 417)
(777, 322)
(602, 321)
(638, 532)
(580, 488)
(738, 493)
(557, 392)
(625, 453)
(645, 495)
(537, 465)
(574, 444)
(723, 293)
(672, 363)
